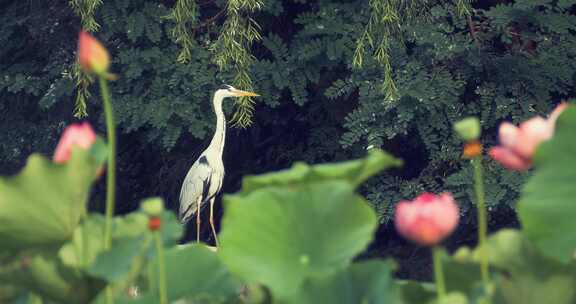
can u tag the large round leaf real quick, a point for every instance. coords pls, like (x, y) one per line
(42, 205)
(279, 235)
(366, 282)
(547, 207)
(192, 272)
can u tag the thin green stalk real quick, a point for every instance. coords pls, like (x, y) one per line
(438, 272)
(111, 174)
(161, 268)
(482, 220)
(83, 249)
(79, 249)
(84, 236)
(109, 295)
(150, 273)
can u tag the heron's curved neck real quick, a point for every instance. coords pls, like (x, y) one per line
(217, 143)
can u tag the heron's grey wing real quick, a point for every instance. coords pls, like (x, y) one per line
(194, 188)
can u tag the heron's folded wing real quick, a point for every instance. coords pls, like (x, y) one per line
(194, 188)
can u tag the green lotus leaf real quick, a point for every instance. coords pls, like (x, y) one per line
(547, 206)
(278, 236)
(42, 205)
(355, 171)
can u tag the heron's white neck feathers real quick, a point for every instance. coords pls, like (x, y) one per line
(216, 146)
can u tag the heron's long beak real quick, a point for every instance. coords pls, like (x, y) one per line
(243, 93)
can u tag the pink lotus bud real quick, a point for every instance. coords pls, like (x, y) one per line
(81, 135)
(518, 144)
(92, 56)
(428, 219)
(532, 133)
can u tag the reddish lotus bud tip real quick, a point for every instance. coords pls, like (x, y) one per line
(154, 223)
(80, 135)
(428, 219)
(425, 197)
(92, 55)
(472, 149)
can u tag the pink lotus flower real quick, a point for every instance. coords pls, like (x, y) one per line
(518, 144)
(92, 56)
(81, 135)
(428, 219)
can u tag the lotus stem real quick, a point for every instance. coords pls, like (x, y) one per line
(482, 218)
(438, 272)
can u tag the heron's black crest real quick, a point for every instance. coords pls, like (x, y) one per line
(226, 87)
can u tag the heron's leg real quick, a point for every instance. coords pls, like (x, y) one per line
(212, 221)
(198, 208)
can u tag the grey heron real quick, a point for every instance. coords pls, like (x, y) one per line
(204, 179)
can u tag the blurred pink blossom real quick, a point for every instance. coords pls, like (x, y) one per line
(518, 144)
(428, 219)
(81, 135)
(92, 55)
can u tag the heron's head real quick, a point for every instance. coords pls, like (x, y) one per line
(230, 91)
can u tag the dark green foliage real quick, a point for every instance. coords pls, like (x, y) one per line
(441, 73)
(155, 93)
(35, 81)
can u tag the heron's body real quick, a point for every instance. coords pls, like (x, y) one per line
(204, 179)
(203, 182)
